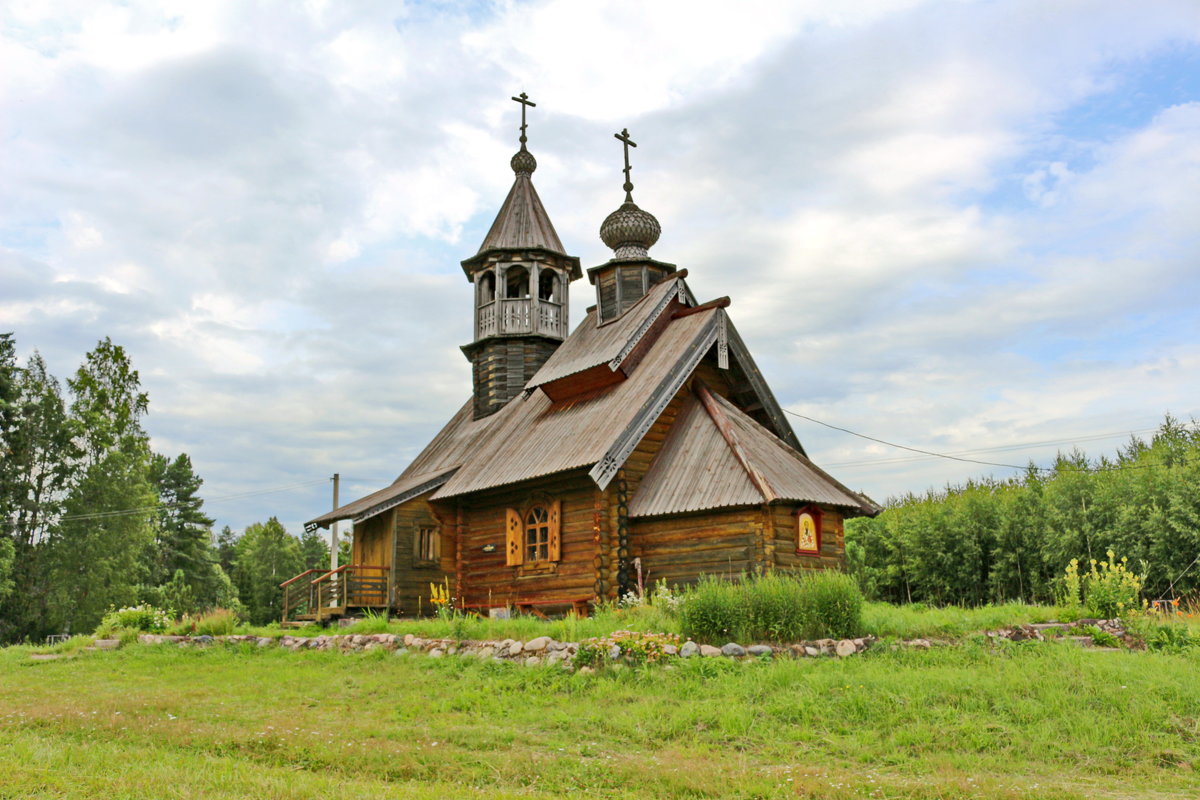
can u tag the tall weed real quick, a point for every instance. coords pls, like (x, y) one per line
(776, 608)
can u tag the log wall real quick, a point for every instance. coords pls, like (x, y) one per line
(833, 541)
(373, 540)
(486, 580)
(679, 549)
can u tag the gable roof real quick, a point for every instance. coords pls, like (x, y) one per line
(432, 467)
(535, 436)
(716, 456)
(592, 345)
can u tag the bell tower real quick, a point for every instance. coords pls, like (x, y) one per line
(521, 276)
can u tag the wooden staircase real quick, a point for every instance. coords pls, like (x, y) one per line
(334, 594)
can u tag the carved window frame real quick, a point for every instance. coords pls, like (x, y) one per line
(517, 545)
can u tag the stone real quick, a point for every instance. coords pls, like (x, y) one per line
(45, 656)
(708, 651)
(205, 639)
(436, 653)
(845, 647)
(586, 670)
(733, 650)
(811, 652)
(408, 639)
(614, 652)
(689, 649)
(554, 657)
(920, 644)
(760, 650)
(401, 651)
(263, 641)
(486, 652)
(533, 661)
(670, 649)
(538, 645)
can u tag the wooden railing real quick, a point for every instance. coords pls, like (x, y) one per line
(351, 586)
(520, 315)
(298, 598)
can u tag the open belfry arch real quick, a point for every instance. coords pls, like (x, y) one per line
(646, 442)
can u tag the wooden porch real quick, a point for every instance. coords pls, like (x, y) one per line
(318, 595)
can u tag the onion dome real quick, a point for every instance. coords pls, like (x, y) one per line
(523, 163)
(630, 231)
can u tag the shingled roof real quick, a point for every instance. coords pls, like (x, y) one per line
(534, 435)
(716, 456)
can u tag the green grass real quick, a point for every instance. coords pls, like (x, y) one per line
(879, 619)
(1035, 720)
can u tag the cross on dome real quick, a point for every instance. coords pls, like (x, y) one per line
(623, 136)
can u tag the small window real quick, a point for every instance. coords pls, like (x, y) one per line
(487, 287)
(537, 534)
(548, 286)
(533, 537)
(607, 291)
(426, 545)
(632, 287)
(516, 282)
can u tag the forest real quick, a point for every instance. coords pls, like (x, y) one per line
(993, 541)
(92, 519)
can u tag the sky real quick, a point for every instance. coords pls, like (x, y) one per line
(968, 227)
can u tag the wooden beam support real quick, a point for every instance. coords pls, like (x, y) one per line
(720, 302)
(727, 433)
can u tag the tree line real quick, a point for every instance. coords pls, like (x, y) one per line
(92, 519)
(1002, 540)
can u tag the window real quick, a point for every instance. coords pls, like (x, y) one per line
(516, 282)
(532, 537)
(537, 534)
(548, 285)
(487, 287)
(426, 545)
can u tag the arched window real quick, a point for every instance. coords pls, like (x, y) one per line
(548, 286)
(487, 287)
(537, 534)
(532, 537)
(516, 282)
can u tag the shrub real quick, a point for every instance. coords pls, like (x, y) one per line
(1110, 589)
(835, 605)
(818, 605)
(141, 618)
(637, 647)
(218, 622)
(1171, 638)
(714, 609)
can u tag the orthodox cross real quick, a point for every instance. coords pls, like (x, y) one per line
(524, 100)
(624, 137)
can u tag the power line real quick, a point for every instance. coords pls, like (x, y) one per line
(998, 448)
(955, 457)
(129, 512)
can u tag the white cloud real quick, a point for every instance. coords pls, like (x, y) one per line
(267, 205)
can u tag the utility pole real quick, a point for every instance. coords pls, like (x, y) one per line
(333, 527)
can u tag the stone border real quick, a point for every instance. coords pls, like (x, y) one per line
(542, 650)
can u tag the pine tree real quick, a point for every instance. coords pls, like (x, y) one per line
(101, 547)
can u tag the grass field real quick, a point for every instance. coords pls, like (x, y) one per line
(1033, 720)
(879, 619)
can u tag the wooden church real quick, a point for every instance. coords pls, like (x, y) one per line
(642, 446)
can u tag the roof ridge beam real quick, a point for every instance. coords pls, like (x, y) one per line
(725, 427)
(720, 302)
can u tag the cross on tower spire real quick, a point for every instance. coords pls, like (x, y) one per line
(524, 100)
(624, 137)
